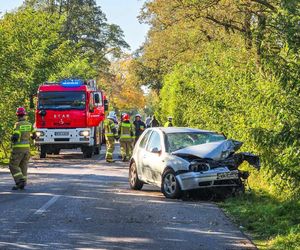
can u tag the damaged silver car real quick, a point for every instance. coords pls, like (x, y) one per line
(182, 159)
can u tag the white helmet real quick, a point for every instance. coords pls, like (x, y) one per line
(111, 115)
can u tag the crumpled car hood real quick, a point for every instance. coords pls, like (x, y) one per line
(214, 150)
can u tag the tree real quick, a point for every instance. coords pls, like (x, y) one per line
(122, 88)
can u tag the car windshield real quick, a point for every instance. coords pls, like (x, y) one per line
(62, 100)
(176, 141)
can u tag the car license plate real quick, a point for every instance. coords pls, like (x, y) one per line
(61, 133)
(227, 175)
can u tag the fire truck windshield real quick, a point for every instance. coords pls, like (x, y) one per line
(62, 100)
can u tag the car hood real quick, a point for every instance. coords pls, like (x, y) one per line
(214, 150)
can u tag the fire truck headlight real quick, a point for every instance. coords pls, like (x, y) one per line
(84, 133)
(39, 133)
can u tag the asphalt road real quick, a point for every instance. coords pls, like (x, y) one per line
(75, 203)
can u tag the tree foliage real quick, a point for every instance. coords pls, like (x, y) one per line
(121, 86)
(230, 66)
(51, 40)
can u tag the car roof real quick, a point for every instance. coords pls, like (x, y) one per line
(171, 130)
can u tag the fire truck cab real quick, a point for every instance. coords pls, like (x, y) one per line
(70, 114)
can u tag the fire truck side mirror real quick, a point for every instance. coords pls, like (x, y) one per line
(97, 98)
(31, 103)
(105, 105)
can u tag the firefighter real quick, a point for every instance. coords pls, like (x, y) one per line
(139, 126)
(126, 133)
(23, 131)
(110, 136)
(169, 122)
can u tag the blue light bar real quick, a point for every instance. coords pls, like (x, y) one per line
(71, 83)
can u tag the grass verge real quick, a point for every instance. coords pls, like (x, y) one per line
(272, 223)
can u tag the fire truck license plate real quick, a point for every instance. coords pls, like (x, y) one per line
(61, 133)
(228, 175)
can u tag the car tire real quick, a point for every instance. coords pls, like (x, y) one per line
(134, 181)
(169, 185)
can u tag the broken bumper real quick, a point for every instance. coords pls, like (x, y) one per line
(221, 177)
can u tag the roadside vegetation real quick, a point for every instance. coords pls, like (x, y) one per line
(233, 67)
(48, 41)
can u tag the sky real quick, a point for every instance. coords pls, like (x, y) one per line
(121, 12)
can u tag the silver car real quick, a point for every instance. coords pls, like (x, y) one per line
(181, 159)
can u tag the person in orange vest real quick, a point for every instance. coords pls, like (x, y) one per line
(20, 155)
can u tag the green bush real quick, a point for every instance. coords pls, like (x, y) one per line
(223, 90)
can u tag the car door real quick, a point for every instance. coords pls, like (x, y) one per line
(152, 159)
(141, 150)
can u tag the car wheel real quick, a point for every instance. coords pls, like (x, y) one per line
(134, 181)
(170, 186)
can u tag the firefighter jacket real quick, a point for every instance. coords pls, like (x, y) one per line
(126, 130)
(139, 128)
(110, 129)
(168, 124)
(23, 131)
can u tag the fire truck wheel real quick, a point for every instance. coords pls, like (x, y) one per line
(88, 152)
(43, 152)
(56, 151)
(97, 150)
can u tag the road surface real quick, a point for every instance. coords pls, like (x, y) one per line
(75, 203)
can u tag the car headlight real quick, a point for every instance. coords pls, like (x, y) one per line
(39, 133)
(84, 133)
(199, 166)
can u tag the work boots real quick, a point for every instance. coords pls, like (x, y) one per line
(20, 185)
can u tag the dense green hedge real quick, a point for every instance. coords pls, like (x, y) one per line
(224, 90)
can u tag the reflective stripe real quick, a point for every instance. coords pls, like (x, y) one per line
(25, 128)
(109, 153)
(109, 135)
(125, 137)
(126, 125)
(21, 146)
(17, 174)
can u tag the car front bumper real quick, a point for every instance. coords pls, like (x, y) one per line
(220, 177)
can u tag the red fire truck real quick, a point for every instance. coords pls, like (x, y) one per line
(70, 114)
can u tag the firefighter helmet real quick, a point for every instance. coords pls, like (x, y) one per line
(126, 117)
(21, 111)
(111, 115)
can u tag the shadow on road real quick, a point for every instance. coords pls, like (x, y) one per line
(97, 210)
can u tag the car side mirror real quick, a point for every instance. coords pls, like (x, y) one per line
(155, 151)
